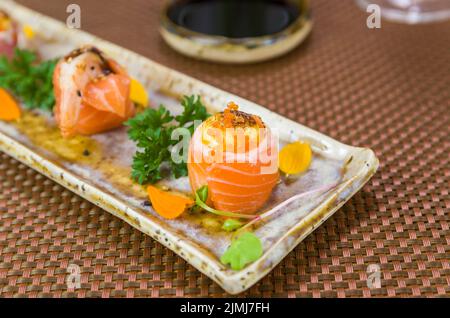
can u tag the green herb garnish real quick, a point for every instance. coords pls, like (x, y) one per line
(244, 250)
(247, 248)
(200, 199)
(202, 193)
(231, 225)
(29, 81)
(193, 110)
(152, 131)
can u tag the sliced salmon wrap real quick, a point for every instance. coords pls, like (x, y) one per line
(92, 93)
(8, 35)
(236, 155)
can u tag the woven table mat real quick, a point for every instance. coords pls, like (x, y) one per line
(387, 89)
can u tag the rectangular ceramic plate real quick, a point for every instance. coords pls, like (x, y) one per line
(103, 176)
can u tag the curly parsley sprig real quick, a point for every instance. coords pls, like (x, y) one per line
(152, 131)
(29, 81)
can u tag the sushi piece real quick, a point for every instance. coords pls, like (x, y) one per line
(235, 155)
(92, 93)
(8, 35)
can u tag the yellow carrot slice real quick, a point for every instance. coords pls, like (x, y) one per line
(28, 31)
(295, 158)
(9, 109)
(138, 94)
(168, 205)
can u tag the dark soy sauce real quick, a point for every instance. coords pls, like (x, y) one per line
(234, 18)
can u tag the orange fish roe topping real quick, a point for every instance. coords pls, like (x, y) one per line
(232, 106)
(258, 121)
(233, 118)
(228, 114)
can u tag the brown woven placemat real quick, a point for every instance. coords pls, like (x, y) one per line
(386, 89)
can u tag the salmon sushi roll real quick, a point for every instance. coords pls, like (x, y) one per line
(236, 155)
(92, 93)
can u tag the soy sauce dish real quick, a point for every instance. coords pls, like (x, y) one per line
(235, 31)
